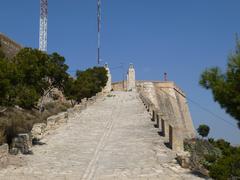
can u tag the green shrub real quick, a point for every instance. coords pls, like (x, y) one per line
(15, 120)
(203, 130)
(219, 157)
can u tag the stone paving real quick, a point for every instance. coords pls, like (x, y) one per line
(112, 139)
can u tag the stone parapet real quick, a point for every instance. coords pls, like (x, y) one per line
(39, 130)
(171, 103)
(171, 130)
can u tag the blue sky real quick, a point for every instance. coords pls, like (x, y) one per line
(181, 38)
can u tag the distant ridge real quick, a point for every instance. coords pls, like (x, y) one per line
(9, 46)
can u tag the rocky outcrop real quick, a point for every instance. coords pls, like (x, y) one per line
(8, 46)
(22, 143)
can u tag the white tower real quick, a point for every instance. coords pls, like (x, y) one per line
(108, 86)
(43, 25)
(131, 84)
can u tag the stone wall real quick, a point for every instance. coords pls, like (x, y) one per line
(168, 106)
(8, 46)
(171, 103)
(39, 130)
(119, 86)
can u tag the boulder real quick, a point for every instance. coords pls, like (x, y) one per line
(23, 142)
(183, 159)
(38, 130)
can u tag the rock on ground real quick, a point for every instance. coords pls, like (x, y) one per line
(112, 139)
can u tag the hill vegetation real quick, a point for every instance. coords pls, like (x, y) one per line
(218, 157)
(225, 87)
(28, 78)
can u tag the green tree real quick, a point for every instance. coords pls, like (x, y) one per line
(30, 76)
(225, 86)
(8, 81)
(40, 72)
(86, 84)
(228, 165)
(203, 130)
(2, 55)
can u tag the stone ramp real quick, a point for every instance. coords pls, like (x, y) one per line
(112, 139)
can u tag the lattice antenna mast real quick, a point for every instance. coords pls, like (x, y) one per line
(99, 30)
(43, 25)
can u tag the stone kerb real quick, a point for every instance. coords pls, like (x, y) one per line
(40, 129)
(54, 121)
(3, 155)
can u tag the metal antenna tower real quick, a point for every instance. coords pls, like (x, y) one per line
(99, 29)
(43, 25)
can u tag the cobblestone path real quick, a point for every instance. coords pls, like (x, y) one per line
(112, 139)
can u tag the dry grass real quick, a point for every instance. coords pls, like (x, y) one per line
(15, 121)
(2, 136)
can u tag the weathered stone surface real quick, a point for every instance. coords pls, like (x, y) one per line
(183, 159)
(62, 117)
(54, 121)
(176, 138)
(3, 155)
(38, 131)
(9, 47)
(23, 142)
(112, 139)
(171, 102)
(76, 108)
(84, 100)
(119, 86)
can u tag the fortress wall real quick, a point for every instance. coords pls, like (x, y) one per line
(9, 47)
(171, 104)
(119, 86)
